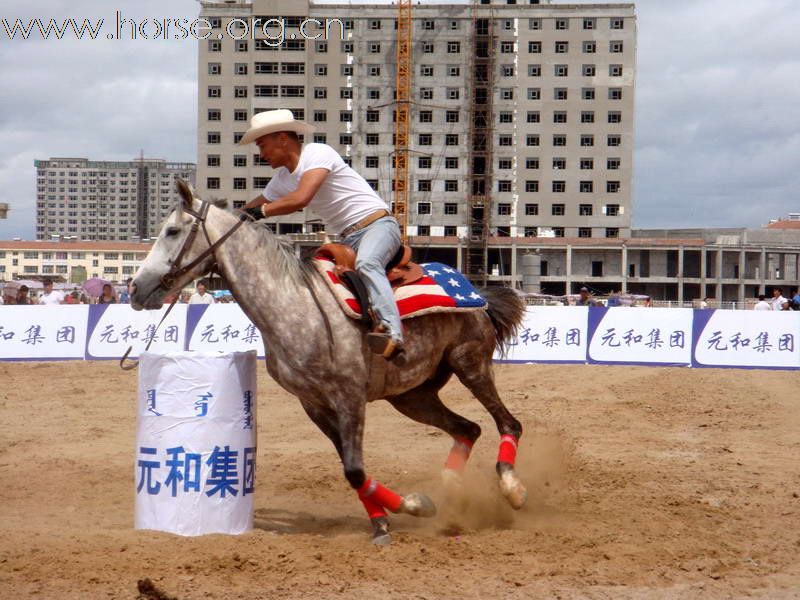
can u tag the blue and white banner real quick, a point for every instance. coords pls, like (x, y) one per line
(43, 332)
(767, 339)
(626, 335)
(548, 334)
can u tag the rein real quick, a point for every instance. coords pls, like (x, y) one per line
(176, 271)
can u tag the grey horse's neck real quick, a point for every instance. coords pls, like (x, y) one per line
(268, 280)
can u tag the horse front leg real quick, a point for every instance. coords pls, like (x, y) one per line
(375, 497)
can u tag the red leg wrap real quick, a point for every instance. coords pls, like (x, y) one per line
(377, 494)
(374, 510)
(508, 449)
(459, 454)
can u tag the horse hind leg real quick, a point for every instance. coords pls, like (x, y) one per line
(423, 405)
(472, 364)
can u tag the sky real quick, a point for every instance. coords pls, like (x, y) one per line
(717, 124)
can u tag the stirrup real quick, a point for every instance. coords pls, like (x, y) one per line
(383, 344)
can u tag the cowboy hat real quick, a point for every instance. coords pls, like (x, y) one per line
(273, 121)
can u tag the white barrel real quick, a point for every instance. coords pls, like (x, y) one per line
(195, 461)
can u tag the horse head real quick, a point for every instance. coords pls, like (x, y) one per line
(165, 271)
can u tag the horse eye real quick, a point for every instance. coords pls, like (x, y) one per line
(173, 231)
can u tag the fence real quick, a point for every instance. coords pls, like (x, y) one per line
(549, 334)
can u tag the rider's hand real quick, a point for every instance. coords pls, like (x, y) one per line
(251, 213)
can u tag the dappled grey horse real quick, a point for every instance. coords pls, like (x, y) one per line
(330, 369)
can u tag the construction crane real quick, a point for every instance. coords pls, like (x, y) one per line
(403, 87)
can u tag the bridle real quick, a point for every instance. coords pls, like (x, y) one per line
(177, 271)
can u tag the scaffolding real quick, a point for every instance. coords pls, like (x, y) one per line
(403, 87)
(480, 143)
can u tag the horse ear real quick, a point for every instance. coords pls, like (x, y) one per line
(185, 192)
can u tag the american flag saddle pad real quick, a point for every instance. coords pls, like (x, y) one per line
(442, 289)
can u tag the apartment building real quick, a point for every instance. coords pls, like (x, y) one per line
(70, 261)
(105, 200)
(560, 133)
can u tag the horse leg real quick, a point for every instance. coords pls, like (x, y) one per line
(423, 405)
(473, 366)
(375, 497)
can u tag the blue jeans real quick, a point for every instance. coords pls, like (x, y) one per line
(375, 246)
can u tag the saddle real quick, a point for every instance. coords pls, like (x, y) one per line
(399, 271)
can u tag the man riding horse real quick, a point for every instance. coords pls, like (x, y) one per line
(315, 176)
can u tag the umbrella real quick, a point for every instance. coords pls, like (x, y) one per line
(94, 286)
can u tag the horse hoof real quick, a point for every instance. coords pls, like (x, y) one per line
(418, 505)
(382, 540)
(513, 490)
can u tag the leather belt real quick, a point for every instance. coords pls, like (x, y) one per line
(368, 220)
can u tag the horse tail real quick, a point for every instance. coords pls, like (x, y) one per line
(506, 310)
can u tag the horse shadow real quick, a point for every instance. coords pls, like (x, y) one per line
(293, 523)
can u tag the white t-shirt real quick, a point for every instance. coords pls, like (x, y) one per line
(762, 305)
(204, 299)
(54, 297)
(777, 303)
(343, 199)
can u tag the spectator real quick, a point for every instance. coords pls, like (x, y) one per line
(585, 299)
(185, 297)
(108, 296)
(22, 296)
(777, 299)
(73, 298)
(201, 296)
(50, 296)
(125, 297)
(796, 300)
(704, 303)
(9, 296)
(762, 303)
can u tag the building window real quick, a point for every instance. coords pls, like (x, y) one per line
(451, 162)
(584, 232)
(504, 185)
(241, 46)
(374, 47)
(259, 183)
(424, 230)
(426, 116)
(505, 140)
(425, 139)
(532, 232)
(612, 187)
(506, 93)
(534, 47)
(214, 91)
(532, 116)
(241, 68)
(534, 93)
(612, 232)
(320, 138)
(374, 70)
(268, 68)
(346, 70)
(560, 70)
(371, 162)
(589, 24)
(557, 210)
(560, 116)
(214, 46)
(374, 24)
(450, 185)
(427, 47)
(612, 210)
(345, 139)
(239, 183)
(214, 114)
(423, 208)
(507, 47)
(558, 232)
(559, 187)
(614, 116)
(320, 93)
(504, 209)
(320, 116)
(506, 116)
(562, 47)
(535, 24)
(239, 115)
(347, 47)
(450, 231)
(534, 70)
(428, 25)
(612, 164)
(426, 70)
(617, 23)
(587, 140)
(615, 70)
(585, 210)
(453, 47)
(213, 137)
(587, 116)
(212, 183)
(614, 140)
(615, 47)
(372, 139)
(345, 93)
(504, 163)
(559, 164)
(587, 164)
(507, 70)
(423, 162)
(589, 47)
(559, 140)
(589, 70)
(239, 160)
(213, 160)
(531, 186)
(531, 210)
(532, 163)
(615, 93)
(560, 93)
(531, 140)
(453, 93)
(424, 185)
(321, 47)
(586, 187)
(587, 94)
(320, 70)
(451, 139)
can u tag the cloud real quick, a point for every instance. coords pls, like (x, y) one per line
(717, 106)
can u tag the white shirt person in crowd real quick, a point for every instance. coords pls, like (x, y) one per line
(777, 299)
(762, 303)
(201, 296)
(315, 176)
(50, 296)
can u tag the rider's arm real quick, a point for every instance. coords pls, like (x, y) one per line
(257, 201)
(310, 182)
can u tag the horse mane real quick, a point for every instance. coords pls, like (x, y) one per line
(281, 252)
